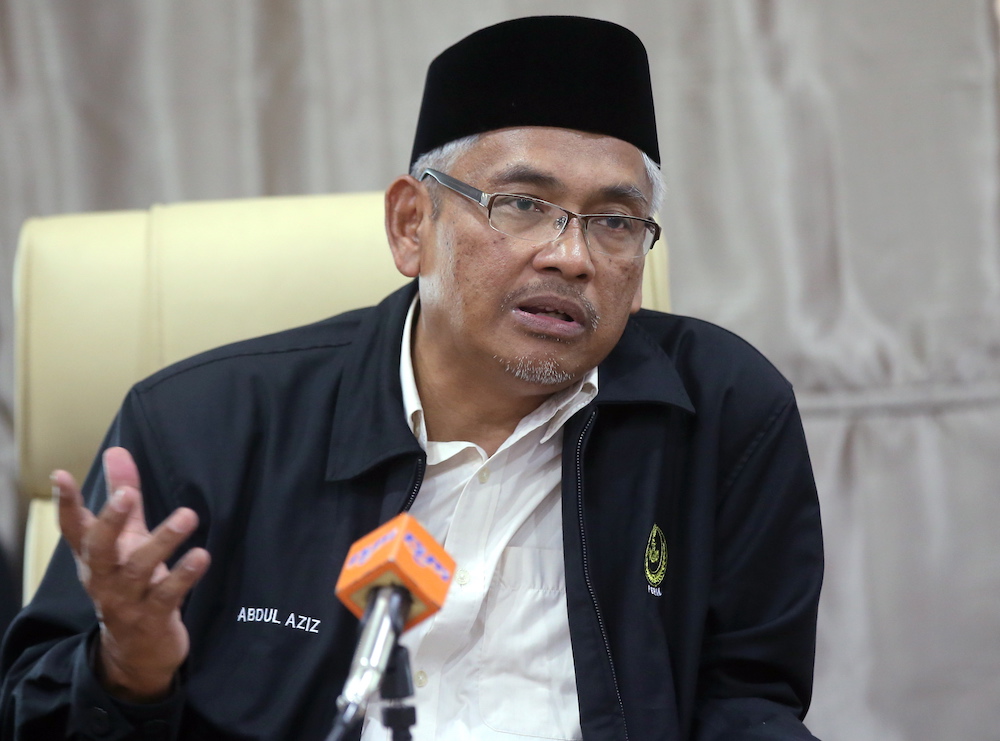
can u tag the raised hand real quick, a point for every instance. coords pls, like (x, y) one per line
(122, 566)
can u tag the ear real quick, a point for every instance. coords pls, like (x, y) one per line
(407, 208)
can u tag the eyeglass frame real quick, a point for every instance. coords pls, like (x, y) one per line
(486, 201)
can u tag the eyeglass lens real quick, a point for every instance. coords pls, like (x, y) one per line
(528, 218)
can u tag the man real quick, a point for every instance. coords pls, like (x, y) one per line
(627, 494)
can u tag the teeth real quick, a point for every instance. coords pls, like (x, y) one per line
(556, 315)
(553, 313)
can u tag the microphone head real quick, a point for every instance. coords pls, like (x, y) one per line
(399, 553)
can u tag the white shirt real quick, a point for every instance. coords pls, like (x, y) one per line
(495, 663)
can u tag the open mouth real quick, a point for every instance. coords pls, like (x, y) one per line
(552, 317)
(545, 311)
(553, 311)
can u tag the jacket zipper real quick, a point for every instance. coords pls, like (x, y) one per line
(586, 566)
(417, 483)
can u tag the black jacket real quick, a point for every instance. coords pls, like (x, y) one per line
(292, 446)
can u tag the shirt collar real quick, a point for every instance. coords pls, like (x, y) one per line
(554, 411)
(367, 429)
(411, 398)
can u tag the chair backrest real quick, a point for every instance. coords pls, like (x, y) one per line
(104, 299)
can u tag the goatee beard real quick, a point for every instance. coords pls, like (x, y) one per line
(542, 372)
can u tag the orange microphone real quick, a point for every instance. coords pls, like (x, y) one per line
(399, 553)
(393, 578)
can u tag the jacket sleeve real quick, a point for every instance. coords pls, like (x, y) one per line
(48, 687)
(755, 677)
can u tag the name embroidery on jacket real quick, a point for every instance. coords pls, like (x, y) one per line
(270, 615)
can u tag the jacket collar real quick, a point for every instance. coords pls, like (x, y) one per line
(369, 425)
(638, 370)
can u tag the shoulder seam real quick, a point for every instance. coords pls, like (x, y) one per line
(168, 373)
(161, 450)
(754, 445)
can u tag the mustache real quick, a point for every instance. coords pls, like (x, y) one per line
(591, 318)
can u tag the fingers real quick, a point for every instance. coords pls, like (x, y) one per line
(122, 566)
(74, 518)
(118, 558)
(119, 470)
(139, 565)
(171, 590)
(150, 591)
(102, 546)
(121, 474)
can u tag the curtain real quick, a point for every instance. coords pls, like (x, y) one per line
(833, 197)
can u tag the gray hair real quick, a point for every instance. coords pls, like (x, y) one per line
(442, 159)
(445, 156)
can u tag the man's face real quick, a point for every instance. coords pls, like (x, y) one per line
(492, 305)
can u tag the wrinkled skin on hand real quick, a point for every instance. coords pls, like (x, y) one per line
(122, 566)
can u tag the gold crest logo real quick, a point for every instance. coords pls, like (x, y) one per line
(656, 557)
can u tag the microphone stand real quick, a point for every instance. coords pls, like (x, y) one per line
(397, 685)
(379, 663)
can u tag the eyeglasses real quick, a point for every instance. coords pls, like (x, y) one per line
(535, 220)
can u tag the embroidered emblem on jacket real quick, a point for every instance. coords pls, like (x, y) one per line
(656, 560)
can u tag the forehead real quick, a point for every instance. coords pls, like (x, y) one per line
(561, 159)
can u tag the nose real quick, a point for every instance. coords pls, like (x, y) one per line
(567, 254)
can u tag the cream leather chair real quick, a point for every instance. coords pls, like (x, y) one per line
(104, 299)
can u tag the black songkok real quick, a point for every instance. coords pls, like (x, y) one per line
(564, 71)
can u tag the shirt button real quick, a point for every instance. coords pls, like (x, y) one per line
(420, 679)
(462, 577)
(484, 475)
